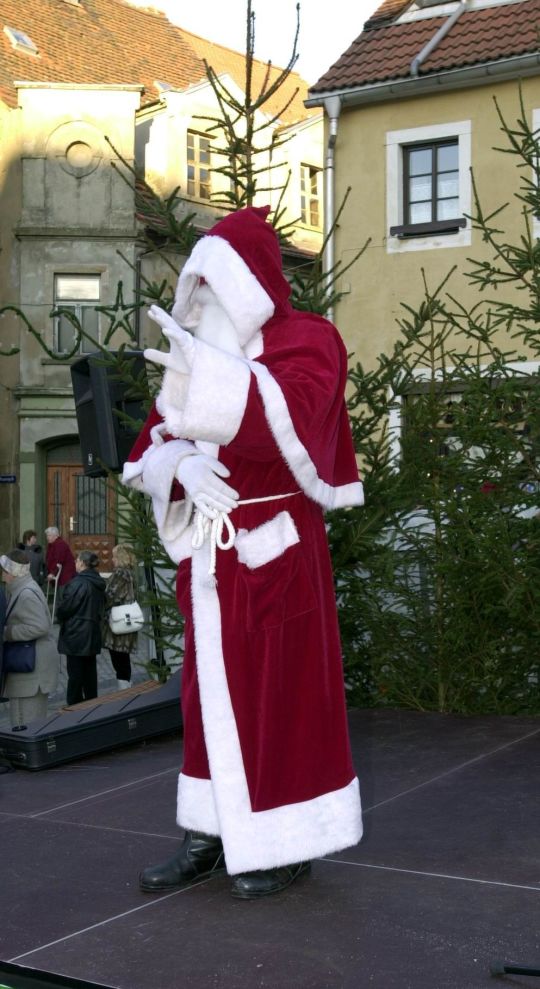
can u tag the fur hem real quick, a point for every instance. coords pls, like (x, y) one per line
(217, 395)
(196, 808)
(251, 840)
(295, 453)
(246, 302)
(271, 838)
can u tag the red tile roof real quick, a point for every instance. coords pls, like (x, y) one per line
(388, 10)
(98, 41)
(111, 42)
(385, 49)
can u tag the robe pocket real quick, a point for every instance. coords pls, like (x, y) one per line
(275, 573)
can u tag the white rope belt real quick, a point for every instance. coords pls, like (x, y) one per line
(220, 531)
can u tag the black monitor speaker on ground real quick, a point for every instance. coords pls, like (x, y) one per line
(104, 402)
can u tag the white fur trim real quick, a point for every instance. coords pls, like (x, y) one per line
(171, 400)
(154, 474)
(255, 347)
(132, 475)
(295, 453)
(252, 840)
(217, 395)
(196, 797)
(238, 290)
(267, 541)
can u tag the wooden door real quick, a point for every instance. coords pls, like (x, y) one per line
(83, 509)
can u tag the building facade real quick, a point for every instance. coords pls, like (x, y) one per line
(84, 98)
(411, 119)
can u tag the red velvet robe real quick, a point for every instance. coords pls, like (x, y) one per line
(267, 762)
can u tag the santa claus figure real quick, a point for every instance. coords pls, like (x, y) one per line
(247, 445)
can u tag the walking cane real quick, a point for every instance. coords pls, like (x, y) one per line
(56, 579)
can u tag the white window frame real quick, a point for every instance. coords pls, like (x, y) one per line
(395, 140)
(306, 170)
(78, 305)
(198, 166)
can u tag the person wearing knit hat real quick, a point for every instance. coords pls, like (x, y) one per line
(28, 619)
(247, 444)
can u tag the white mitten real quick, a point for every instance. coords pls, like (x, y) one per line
(201, 476)
(181, 354)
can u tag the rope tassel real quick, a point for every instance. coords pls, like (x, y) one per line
(214, 529)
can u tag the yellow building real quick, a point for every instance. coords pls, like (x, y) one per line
(410, 111)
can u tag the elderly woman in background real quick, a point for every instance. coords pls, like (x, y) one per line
(80, 614)
(27, 620)
(120, 590)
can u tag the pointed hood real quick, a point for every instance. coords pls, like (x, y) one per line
(240, 260)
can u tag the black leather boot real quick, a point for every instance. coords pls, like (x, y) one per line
(199, 855)
(252, 885)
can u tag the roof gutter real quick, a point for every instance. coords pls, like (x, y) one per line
(483, 74)
(437, 37)
(332, 107)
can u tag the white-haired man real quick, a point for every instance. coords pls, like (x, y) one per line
(59, 560)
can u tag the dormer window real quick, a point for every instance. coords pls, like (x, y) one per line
(310, 195)
(198, 165)
(20, 41)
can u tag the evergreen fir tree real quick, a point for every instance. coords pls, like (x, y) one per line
(441, 612)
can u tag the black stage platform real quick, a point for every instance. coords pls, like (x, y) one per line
(446, 880)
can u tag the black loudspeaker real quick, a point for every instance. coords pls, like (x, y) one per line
(103, 400)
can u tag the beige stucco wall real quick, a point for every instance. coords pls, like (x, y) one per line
(381, 281)
(161, 143)
(67, 210)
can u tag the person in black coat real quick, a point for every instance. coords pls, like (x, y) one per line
(35, 556)
(80, 614)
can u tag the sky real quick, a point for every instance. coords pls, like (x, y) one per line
(327, 27)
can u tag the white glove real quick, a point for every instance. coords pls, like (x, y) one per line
(181, 355)
(199, 476)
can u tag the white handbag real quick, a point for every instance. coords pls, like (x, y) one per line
(126, 618)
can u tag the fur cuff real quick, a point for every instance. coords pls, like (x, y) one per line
(159, 465)
(217, 395)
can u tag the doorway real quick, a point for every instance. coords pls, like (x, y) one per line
(83, 510)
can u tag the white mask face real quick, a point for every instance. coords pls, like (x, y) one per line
(214, 325)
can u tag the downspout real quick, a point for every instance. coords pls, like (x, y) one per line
(332, 106)
(437, 37)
